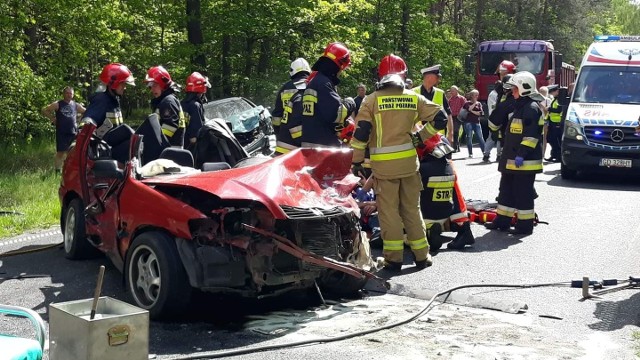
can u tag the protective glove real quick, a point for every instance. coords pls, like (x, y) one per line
(417, 140)
(519, 161)
(357, 169)
(350, 105)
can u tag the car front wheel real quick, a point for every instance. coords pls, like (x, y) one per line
(155, 275)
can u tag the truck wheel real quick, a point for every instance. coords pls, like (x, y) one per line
(76, 245)
(155, 276)
(566, 173)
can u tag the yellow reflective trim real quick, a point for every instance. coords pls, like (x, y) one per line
(526, 214)
(529, 143)
(440, 184)
(394, 156)
(281, 150)
(168, 132)
(505, 212)
(393, 245)
(527, 165)
(516, 126)
(296, 134)
(357, 144)
(330, 55)
(285, 97)
(309, 98)
(398, 102)
(418, 244)
(275, 121)
(378, 121)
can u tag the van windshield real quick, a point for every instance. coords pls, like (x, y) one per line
(532, 62)
(608, 84)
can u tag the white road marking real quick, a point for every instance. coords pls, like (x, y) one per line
(486, 177)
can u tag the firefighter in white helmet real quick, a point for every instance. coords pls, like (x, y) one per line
(289, 138)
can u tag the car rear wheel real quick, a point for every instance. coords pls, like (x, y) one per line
(155, 275)
(76, 245)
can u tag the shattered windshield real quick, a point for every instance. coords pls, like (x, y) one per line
(608, 84)
(525, 61)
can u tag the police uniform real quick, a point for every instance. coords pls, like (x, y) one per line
(554, 119)
(435, 95)
(104, 110)
(193, 114)
(171, 116)
(385, 122)
(289, 133)
(522, 139)
(282, 98)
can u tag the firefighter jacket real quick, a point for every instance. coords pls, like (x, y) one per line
(282, 98)
(323, 113)
(500, 115)
(384, 125)
(555, 112)
(193, 114)
(289, 133)
(523, 137)
(104, 111)
(171, 116)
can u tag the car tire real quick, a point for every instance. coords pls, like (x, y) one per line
(76, 246)
(339, 284)
(155, 276)
(566, 173)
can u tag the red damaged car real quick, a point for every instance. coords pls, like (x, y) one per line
(256, 230)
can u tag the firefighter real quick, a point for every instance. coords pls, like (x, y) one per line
(441, 202)
(298, 72)
(324, 112)
(104, 107)
(499, 117)
(521, 158)
(505, 68)
(430, 78)
(385, 125)
(197, 85)
(555, 125)
(166, 104)
(289, 133)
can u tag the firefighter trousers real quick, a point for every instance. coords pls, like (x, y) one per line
(516, 196)
(399, 212)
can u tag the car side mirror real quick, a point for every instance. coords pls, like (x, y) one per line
(107, 169)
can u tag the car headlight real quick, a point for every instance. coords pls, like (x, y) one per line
(572, 130)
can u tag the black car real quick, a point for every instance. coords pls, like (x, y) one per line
(250, 123)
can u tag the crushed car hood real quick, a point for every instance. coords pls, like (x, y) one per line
(305, 178)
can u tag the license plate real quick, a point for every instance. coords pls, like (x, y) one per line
(616, 162)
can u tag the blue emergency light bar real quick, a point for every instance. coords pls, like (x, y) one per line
(616, 38)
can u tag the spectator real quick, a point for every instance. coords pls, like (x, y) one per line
(494, 137)
(362, 92)
(456, 102)
(64, 115)
(472, 122)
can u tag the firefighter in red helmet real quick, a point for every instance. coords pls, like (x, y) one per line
(166, 104)
(506, 67)
(385, 125)
(104, 107)
(323, 111)
(197, 85)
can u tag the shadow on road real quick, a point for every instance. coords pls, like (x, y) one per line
(597, 181)
(614, 315)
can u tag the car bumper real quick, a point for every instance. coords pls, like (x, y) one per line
(576, 155)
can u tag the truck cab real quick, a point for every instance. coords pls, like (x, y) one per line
(599, 130)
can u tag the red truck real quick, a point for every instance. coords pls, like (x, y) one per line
(536, 56)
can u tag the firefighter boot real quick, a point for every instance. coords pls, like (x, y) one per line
(501, 223)
(463, 238)
(434, 236)
(392, 266)
(523, 227)
(421, 264)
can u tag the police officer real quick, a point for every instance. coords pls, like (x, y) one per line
(104, 106)
(385, 125)
(299, 71)
(554, 123)
(441, 201)
(166, 104)
(197, 85)
(521, 158)
(324, 112)
(430, 78)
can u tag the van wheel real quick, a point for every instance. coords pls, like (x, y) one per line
(566, 173)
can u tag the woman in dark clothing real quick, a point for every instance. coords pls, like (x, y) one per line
(472, 122)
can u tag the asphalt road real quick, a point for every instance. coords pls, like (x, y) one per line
(594, 230)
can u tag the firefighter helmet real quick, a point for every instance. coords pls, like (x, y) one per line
(160, 76)
(436, 146)
(507, 66)
(526, 84)
(197, 83)
(114, 74)
(392, 70)
(299, 65)
(339, 54)
(505, 82)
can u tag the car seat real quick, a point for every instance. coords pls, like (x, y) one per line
(181, 157)
(215, 166)
(119, 139)
(17, 348)
(216, 143)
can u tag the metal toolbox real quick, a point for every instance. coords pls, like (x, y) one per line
(118, 331)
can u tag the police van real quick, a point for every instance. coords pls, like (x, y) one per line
(599, 130)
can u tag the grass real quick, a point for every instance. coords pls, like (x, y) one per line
(29, 186)
(636, 339)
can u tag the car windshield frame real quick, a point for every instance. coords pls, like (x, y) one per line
(531, 61)
(608, 84)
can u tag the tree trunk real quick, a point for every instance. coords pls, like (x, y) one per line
(194, 34)
(226, 67)
(479, 26)
(404, 30)
(248, 65)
